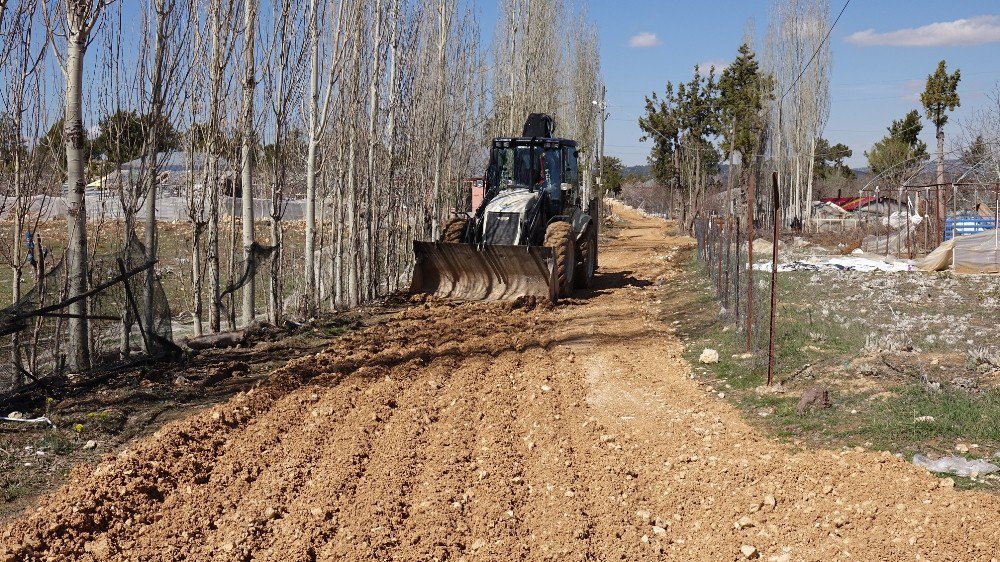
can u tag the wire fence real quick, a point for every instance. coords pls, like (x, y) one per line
(743, 292)
(127, 317)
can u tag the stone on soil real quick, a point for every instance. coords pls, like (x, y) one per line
(709, 356)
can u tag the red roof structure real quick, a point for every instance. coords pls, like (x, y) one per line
(849, 203)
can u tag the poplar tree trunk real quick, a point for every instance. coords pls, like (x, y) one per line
(152, 149)
(394, 199)
(77, 35)
(512, 123)
(18, 231)
(249, 85)
(368, 248)
(352, 231)
(309, 291)
(443, 25)
(809, 190)
(214, 312)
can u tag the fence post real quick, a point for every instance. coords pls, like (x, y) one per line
(774, 281)
(728, 254)
(751, 203)
(736, 273)
(721, 233)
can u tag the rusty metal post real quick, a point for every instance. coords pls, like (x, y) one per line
(727, 241)
(943, 211)
(736, 273)
(927, 217)
(720, 234)
(774, 281)
(751, 203)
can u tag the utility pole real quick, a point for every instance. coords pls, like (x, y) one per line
(601, 105)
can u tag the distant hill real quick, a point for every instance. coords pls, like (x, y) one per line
(954, 168)
(645, 171)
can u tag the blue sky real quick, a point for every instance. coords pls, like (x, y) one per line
(873, 81)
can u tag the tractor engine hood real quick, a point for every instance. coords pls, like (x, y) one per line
(504, 218)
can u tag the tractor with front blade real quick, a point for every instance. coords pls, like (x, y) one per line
(530, 236)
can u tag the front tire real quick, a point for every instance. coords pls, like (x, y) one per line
(559, 237)
(453, 230)
(588, 264)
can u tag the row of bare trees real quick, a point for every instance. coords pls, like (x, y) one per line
(370, 112)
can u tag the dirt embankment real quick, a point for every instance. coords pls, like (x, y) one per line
(482, 432)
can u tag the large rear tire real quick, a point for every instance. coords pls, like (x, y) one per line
(588, 263)
(559, 237)
(453, 230)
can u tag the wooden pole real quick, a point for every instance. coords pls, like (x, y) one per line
(719, 234)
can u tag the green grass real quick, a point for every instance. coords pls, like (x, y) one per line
(797, 328)
(881, 418)
(10, 491)
(57, 442)
(957, 416)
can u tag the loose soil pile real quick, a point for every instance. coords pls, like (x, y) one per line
(489, 432)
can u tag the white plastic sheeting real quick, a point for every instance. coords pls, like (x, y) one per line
(899, 219)
(844, 263)
(976, 253)
(959, 466)
(41, 419)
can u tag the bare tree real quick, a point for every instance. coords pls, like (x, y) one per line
(798, 57)
(221, 16)
(81, 17)
(21, 58)
(165, 73)
(287, 53)
(317, 115)
(249, 141)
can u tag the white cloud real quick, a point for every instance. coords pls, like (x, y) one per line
(962, 32)
(719, 65)
(644, 40)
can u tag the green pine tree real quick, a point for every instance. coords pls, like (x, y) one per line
(939, 97)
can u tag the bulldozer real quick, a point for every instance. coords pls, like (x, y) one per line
(530, 236)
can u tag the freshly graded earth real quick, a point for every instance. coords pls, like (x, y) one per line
(494, 432)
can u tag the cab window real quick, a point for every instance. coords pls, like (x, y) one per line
(572, 173)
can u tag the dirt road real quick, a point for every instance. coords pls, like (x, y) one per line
(481, 432)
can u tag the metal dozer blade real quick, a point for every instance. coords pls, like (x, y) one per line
(483, 273)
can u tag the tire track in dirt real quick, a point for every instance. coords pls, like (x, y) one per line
(483, 432)
(435, 525)
(494, 510)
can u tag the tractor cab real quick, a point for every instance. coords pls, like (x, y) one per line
(545, 166)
